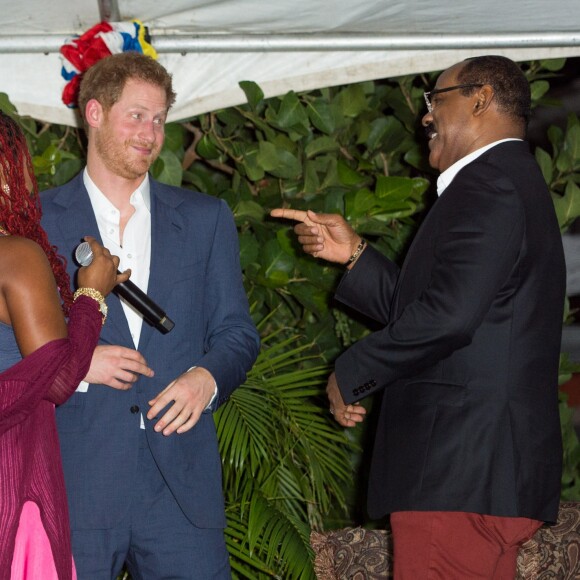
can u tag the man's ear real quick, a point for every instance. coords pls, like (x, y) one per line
(484, 97)
(93, 113)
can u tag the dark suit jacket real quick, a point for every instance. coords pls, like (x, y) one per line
(195, 276)
(468, 356)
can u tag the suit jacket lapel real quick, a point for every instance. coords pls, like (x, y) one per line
(167, 230)
(77, 221)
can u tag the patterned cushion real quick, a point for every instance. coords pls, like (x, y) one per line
(554, 551)
(360, 554)
(353, 553)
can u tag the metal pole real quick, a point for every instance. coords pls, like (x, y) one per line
(109, 11)
(215, 43)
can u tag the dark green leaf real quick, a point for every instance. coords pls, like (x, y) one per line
(352, 100)
(249, 249)
(253, 93)
(174, 135)
(395, 188)
(545, 163)
(249, 209)
(167, 168)
(321, 145)
(322, 116)
(554, 64)
(348, 176)
(291, 112)
(207, 149)
(568, 205)
(539, 89)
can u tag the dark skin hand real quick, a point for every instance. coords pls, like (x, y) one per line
(345, 415)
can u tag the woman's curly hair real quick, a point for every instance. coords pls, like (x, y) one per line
(20, 210)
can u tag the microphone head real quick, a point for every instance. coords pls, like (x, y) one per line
(84, 254)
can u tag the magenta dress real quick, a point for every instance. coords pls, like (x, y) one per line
(32, 556)
(34, 519)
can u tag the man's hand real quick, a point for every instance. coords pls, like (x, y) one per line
(190, 394)
(324, 235)
(345, 415)
(117, 367)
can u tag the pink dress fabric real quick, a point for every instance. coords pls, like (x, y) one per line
(32, 559)
(30, 463)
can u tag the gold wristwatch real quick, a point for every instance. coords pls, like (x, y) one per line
(95, 295)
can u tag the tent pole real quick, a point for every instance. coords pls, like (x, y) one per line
(109, 11)
(214, 43)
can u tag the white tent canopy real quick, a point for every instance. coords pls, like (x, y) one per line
(211, 45)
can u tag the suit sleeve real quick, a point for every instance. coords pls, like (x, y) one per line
(476, 249)
(370, 285)
(232, 341)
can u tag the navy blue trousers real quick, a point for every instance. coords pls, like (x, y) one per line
(157, 541)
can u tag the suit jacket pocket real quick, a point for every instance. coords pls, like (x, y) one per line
(435, 393)
(189, 270)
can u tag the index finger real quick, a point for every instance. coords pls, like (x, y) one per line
(96, 248)
(291, 214)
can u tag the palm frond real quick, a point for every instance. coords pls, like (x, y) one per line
(286, 462)
(278, 544)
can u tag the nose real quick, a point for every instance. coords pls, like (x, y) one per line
(147, 132)
(427, 119)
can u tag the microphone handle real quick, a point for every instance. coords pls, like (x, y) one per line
(132, 294)
(150, 311)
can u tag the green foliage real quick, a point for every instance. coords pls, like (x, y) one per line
(562, 170)
(357, 150)
(333, 150)
(285, 463)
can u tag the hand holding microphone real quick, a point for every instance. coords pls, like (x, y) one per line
(103, 274)
(131, 293)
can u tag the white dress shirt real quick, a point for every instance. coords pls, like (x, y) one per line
(448, 175)
(134, 250)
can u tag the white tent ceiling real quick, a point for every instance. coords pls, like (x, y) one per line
(211, 45)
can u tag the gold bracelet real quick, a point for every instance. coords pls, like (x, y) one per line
(95, 295)
(358, 252)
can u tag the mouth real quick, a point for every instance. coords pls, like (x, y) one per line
(431, 132)
(143, 148)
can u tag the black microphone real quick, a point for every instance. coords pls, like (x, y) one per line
(152, 314)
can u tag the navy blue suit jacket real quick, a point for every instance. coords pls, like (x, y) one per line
(195, 276)
(468, 357)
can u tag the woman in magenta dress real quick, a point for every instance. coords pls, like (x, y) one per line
(42, 361)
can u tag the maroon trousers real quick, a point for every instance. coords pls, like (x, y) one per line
(457, 545)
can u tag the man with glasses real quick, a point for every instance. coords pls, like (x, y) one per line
(467, 454)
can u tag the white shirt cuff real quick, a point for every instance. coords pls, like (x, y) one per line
(215, 392)
(83, 387)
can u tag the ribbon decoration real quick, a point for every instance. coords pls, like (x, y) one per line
(81, 52)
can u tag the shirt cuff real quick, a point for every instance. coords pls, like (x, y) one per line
(215, 392)
(83, 387)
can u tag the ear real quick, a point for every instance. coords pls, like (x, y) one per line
(93, 113)
(484, 97)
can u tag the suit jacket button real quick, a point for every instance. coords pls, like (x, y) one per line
(134, 409)
(373, 383)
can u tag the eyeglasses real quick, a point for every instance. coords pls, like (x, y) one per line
(429, 95)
